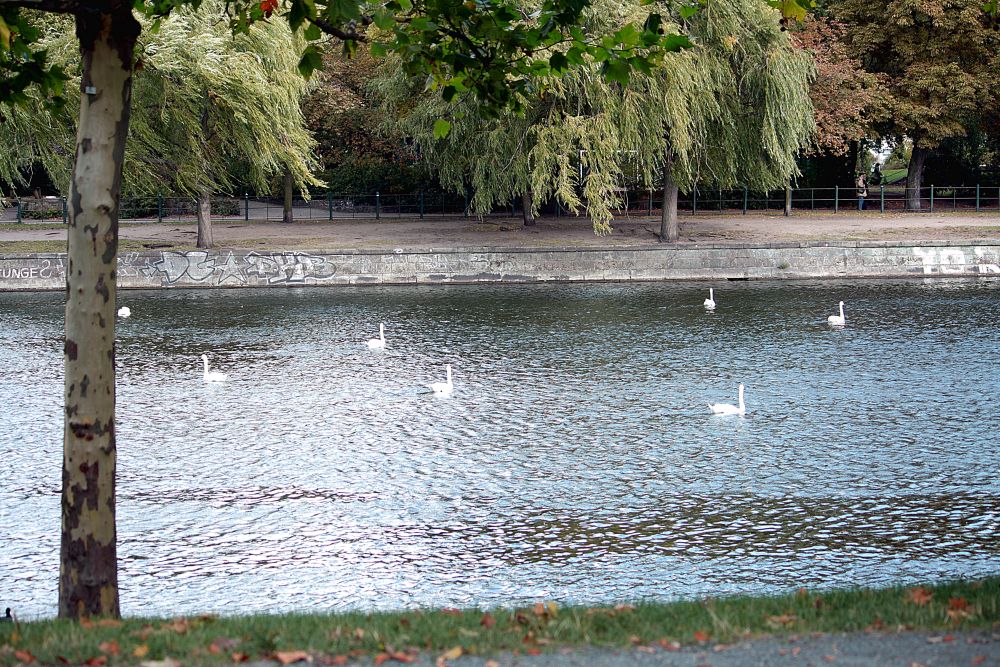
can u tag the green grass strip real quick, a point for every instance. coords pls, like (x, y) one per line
(333, 638)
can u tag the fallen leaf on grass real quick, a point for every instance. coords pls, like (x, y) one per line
(222, 645)
(796, 651)
(178, 625)
(645, 649)
(669, 645)
(398, 656)
(958, 608)
(451, 611)
(451, 654)
(492, 663)
(487, 621)
(288, 657)
(339, 660)
(99, 661)
(534, 651)
(24, 656)
(700, 636)
(781, 621)
(111, 648)
(920, 596)
(100, 623)
(140, 651)
(543, 609)
(829, 658)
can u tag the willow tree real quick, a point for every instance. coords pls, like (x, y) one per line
(211, 111)
(733, 109)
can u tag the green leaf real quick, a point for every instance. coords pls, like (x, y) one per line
(441, 128)
(617, 70)
(312, 60)
(792, 9)
(558, 62)
(312, 33)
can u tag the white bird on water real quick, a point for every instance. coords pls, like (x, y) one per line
(838, 320)
(443, 388)
(212, 376)
(124, 311)
(710, 301)
(378, 343)
(729, 408)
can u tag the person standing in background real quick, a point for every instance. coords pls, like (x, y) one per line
(862, 184)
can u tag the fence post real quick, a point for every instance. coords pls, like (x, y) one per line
(19, 219)
(246, 206)
(650, 207)
(932, 199)
(977, 197)
(744, 200)
(378, 205)
(329, 205)
(881, 202)
(159, 207)
(65, 212)
(812, 199)
(421, 203)
(720, 199)
(836, 199)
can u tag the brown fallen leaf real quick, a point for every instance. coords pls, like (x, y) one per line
(99, 661)
(700, 636)
(829, 658)
(487, 621)
(339, 660)
(288, 657)
(796, 651)
(534, 651)
(178, 625)
(491, 663)
(381, 657)
(24, 656)
(782, 621)
(111, 648)
(645, 649)
(669, 645)
(451, 611)
(624, 607)
(239, 657)
(140, 651)
(920, 596)
(451, 654)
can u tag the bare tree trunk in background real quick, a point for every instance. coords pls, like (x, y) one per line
(286, 215)
(88, 561)
(788, 200)
(914, 177)
(205, 239)
(526, 204)
(669, 229)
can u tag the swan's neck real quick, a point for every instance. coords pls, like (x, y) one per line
(711, 294)
(205, 363)
(448, 370)
(381, 333)
(742, 404)
(841, 310)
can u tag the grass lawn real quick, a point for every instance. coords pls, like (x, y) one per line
(336, 638)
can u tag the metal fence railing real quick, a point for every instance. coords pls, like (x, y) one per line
(632, 203)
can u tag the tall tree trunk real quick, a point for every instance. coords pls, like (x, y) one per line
(915, 176)
(527, 201)
(88, 562)
(788, 200)
(669, 229)
(286, 215)
(205, 239)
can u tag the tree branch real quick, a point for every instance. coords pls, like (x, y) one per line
(54, 6)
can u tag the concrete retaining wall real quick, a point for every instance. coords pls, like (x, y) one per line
(227, 268)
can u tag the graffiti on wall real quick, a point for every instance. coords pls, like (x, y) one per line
(955, 261)
(235, 269)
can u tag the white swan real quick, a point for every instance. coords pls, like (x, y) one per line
(124, 311)
(729, 408)
(443, 388)
(837, 320)
(710, 301)
(212, 376)
(378, 343)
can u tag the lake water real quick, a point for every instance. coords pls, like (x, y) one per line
(576, 461)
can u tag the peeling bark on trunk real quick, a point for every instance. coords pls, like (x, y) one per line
(286, 214)
(914, 177)
(205, 239)
(669, 229)
(527, 202)
(88, 567)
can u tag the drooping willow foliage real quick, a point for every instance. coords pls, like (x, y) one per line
(733, 110)
(210, 111)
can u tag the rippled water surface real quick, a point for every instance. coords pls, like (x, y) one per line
(576, 460)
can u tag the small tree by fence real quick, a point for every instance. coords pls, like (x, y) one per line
(633, 203)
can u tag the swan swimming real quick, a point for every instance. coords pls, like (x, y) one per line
(837, 320)
(378, 343)
(710, 301)
(443, 388)
(212, 376)
(124, 311)
(729, 408)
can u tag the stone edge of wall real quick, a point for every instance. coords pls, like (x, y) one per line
(660, 262)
